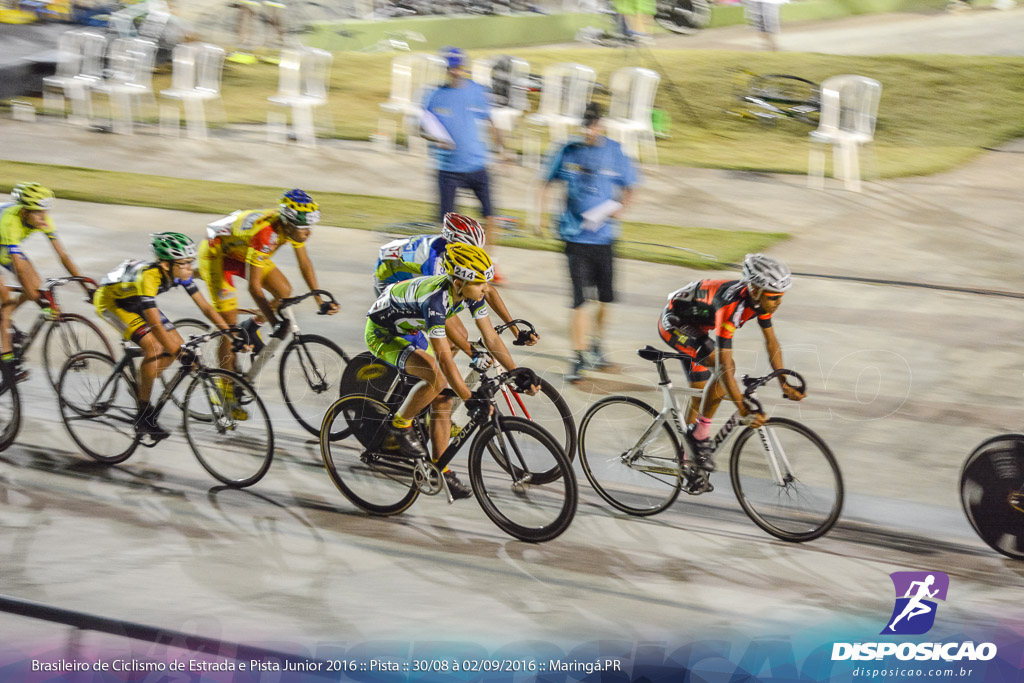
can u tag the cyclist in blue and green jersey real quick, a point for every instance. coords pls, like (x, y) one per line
(428, 305)
(404, 259)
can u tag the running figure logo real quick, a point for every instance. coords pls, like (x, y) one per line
(914, 611)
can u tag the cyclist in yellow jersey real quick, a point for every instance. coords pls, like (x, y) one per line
(127, 300)
(241, 245)
(28, 213)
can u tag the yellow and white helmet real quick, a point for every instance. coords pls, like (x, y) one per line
(468, 262)
(33, 196)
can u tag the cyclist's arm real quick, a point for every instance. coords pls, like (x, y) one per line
(457, 335)
(156, 326)
(209, 311)
(309, 275)
(494, 343)
(254, 276)
(66, 261)
(775, 358)
(448, 368)
(728, 371)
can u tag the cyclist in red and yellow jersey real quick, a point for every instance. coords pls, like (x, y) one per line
(720, 307)
(241, 245)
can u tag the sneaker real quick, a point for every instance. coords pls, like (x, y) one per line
(252, 334)
(234, 409)
(456, 487)
(595, 359)
(576, 368)
(148, 426)
(407, 442)
(702, 451)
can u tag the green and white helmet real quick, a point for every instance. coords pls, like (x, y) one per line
(171, 246)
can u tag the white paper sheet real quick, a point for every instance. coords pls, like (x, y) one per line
(594, 218)
(434, 128)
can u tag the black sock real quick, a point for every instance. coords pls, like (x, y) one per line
(145, 410)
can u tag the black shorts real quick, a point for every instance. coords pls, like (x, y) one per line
(692, 341)
(590, 267)
(477, 181)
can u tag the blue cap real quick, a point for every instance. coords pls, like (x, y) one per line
(453, 56)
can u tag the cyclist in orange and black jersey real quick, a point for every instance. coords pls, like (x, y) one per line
(720, 307)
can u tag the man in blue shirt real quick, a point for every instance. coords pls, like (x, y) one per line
(459, 106)
(599, 182)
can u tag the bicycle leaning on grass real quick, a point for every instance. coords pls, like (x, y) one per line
(520, 475)
(784, 476)
(97, 399)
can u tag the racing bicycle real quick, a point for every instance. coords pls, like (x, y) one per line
(366, 374)
(63, 335)
(520, 475)
(992, 493)
(310, 369)
(97, 399)
(783, 474)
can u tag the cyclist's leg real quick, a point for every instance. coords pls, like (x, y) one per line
(276, 283)
(699, 351)
(155, 357)
(27, 276)
(7, 304)
(221, 287)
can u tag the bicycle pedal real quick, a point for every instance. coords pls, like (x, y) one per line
(150, 440)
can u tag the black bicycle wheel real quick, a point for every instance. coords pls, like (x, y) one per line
(237, 445)
(98, 408)
(511, 497)
(630, 462)
(69, 335)
(787, 480)
(10, 407)
(992, 493)
(379, 483)
(310, 374)
(547, 409)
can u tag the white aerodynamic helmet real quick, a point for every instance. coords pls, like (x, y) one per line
(764, 272)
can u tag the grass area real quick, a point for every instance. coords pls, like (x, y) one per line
(642, 241)
(936, 112)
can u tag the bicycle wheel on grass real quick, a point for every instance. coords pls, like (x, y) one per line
(797, 495)
(98, 408)
(630, 460)
(992, 493)
(374, 481)
(65, 337)
(522, 506)
(237, 451)
(310, 373)
(10, 407)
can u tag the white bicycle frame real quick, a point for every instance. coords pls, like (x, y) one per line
(269, 350)
(774, 453)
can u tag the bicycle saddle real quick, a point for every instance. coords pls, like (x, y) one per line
(652, 354)
(131, 350)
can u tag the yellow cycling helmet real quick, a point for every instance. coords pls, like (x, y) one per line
(33, 196)
(468, 262)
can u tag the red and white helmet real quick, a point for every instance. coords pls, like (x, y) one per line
(459, 228)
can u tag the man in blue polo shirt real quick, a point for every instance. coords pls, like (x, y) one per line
(599, 182)
(460, 106)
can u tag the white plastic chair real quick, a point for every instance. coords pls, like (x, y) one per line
(629, 115)
(129, 77)
(412, 75)
(506, 115)
(80, 67)
(849, 111)
(564, 95)
(195, 80)
(304, 77)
